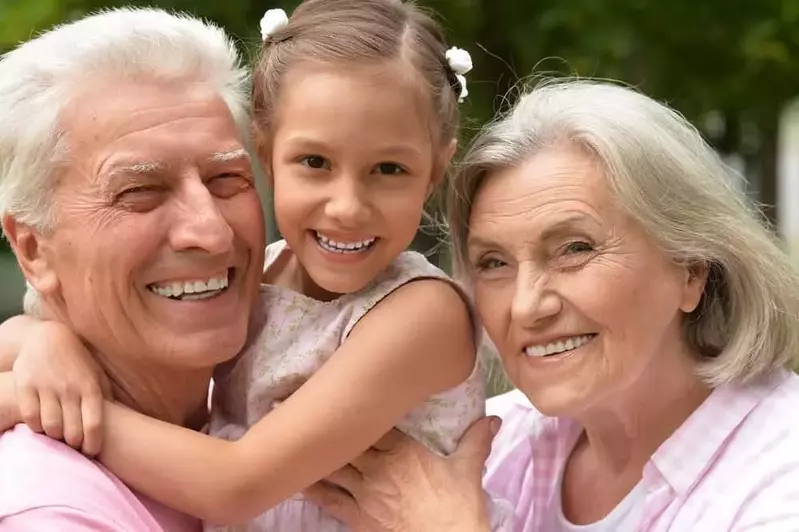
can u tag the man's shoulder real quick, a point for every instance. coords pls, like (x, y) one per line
(40, 474)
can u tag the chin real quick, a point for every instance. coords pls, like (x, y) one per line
(336, 284)
(206, 349)
(555, 400)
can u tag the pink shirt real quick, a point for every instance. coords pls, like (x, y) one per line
(45, 485)
(732, 466)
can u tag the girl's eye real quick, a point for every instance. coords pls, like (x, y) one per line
(389, 169)
(578, 247)
(317, 162)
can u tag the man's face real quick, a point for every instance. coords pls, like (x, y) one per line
(159, 239)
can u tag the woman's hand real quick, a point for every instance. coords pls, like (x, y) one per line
(9, 405)
(399, 485)
(60, 387)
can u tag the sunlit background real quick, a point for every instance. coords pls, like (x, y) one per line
(731, 66)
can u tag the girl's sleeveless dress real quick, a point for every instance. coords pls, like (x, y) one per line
(291, 336)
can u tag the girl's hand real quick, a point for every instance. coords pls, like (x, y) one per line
(399, 485)
(61, 388)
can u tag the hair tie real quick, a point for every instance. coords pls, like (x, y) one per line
(460, 62)
(272, 22)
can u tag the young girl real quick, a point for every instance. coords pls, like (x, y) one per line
(355, 118)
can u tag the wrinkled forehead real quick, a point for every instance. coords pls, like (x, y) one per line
(144, 127)
(550, 179)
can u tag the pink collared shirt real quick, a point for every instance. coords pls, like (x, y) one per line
(732, 466)
(47, 486)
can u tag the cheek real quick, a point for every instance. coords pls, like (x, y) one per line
(604, 295)
(401, 208)
(493, 307)
(245, 216)
(292, 200)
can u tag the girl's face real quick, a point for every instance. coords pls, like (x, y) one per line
(353, 159)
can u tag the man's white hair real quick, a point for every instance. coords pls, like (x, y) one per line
(37, 80)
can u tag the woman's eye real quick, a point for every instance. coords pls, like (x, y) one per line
(389, 169)
(316, 162)
(490, 264)
(578, 247)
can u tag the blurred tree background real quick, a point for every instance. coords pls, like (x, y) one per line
(728, 65)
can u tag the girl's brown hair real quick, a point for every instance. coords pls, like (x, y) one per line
(344, 31)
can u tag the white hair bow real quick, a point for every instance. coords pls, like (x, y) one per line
(460, 62)
(273, 21)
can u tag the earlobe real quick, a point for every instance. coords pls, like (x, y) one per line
(695, 283)
(263, 151)
(31, 250)
(444, 161)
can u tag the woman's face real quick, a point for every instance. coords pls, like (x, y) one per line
(579, 300)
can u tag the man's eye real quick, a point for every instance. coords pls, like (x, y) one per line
(228, 185)
(140, 198)
(136, 190)
(317, 162)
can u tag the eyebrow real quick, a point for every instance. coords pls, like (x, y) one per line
(559, 228)
(564, 225)
(399, 150)
(239, 154)
(143, 168)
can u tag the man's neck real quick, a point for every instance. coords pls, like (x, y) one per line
(176, 396)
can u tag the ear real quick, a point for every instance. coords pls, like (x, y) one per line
(263, 150)
(33, 252)
(442, 164)
(694, 286)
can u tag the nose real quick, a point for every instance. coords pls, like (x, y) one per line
(348, 203)
(198, 223)
(533, 301)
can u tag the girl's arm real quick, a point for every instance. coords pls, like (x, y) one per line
(13, 333)
(58, 386)
(415, 343)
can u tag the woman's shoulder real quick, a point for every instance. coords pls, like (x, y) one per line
(41, 475)
(757, 469)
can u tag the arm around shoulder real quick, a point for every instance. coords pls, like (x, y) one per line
(416, 342)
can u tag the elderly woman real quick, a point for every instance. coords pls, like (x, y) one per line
(639, 304)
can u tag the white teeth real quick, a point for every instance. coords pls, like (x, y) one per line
(343, 247)
(558, 347)
(191, 290)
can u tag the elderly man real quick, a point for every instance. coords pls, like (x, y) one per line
(128, 199)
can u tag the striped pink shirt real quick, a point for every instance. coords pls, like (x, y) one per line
(732, 466)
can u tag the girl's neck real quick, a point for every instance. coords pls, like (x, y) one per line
(287, 272)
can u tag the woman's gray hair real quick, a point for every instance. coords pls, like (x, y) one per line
(38, 79)
(670, 181)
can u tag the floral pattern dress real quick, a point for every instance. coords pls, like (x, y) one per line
(292, 336)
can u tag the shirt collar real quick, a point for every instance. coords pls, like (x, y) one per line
(691, 450)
